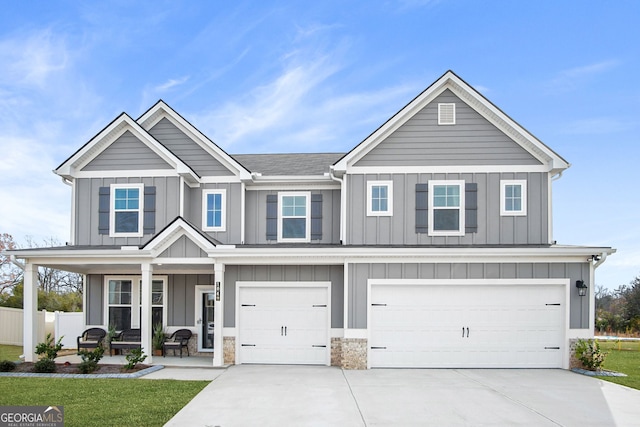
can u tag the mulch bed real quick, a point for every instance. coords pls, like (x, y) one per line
(72, 368)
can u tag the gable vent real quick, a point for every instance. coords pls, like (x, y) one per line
(447, 114)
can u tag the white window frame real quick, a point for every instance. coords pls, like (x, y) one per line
(503, 197)
(461, 215)
(370, 185)
(223, 206)
(112, 210)
(136, 286)
(307, 217)
(441, 106)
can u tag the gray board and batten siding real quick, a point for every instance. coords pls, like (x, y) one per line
(233, 205)
(472, 140)
(126, 153)
(284, 273)
(493, 229)
(181, 290)
(87, 208)
(359, 274)
(187, 150)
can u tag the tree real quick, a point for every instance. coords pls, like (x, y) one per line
(10, 275)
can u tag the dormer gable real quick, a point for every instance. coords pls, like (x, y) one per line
(188, 143)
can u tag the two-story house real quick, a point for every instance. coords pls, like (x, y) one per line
(429, 244)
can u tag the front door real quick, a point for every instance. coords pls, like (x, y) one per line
(205, 306)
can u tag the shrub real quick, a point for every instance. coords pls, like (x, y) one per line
(90, 359)
(134, 357)
(45, 366)
(589, 353)
(7, 366)
(47, 349)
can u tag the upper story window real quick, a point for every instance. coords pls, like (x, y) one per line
(293, 217)
(380, 198)
(446, 208)
(214, 210)
(126, 210)
(513, 197)
(447, 114)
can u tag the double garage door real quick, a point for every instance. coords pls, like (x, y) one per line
(463, 325)
(283, 323)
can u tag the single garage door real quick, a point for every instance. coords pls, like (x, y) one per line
(467, 326)
(283, 324)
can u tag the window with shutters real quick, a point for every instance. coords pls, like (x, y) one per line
(126, 215)
(214, 210)
(446, 208)
(379, 198)
(293, 217)
(447, 114)
(513, 197)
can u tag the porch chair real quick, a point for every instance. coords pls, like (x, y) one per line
(177, 341)
(91, 339)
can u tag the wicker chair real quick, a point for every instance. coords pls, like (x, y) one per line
(177, 341)
(91, 339)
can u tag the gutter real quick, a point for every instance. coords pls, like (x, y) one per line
(343, 202)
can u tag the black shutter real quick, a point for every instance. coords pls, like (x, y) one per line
(422, 208)
(471, 207)
(149, 220)
(272, 217)
(103, 210)
(316, 217)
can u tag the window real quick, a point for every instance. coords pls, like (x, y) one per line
(126, 210)
(214, 210)
(124, 309)
(446, 208)
(513, 197)
(380, 198)
(447, 114)
(293, 217)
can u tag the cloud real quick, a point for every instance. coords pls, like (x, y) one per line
(572, 78)
(171, 83)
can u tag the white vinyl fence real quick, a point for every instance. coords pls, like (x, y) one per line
(58, 324)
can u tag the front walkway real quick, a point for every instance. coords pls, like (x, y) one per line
(247, 395)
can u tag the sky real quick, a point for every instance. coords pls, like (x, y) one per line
(320, 76)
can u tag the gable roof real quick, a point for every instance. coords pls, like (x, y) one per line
(161, 111)
(109, 135)
(475, 100)
(289, 164)
(176, 229)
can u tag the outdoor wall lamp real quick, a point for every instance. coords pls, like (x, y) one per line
(582, 287)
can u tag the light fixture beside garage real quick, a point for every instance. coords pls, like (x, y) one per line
(217, 291)
(582, 287)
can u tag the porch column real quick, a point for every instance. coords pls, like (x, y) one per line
(146, 328)
(218, 316)
(30, 312)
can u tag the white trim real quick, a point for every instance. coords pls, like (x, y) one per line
(243, 211)
(222, 179)
(200, 290)
(389, 185)
(523, 197)
(223, 207)
(403, 170)
(136, 285)
(442, 107)
(461, 214)
(112, 210)
(138, 173)
(293, 186)
(307, 195)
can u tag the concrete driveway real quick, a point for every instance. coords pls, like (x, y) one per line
(249, 395)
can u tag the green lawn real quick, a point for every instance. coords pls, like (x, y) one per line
(103, 402)
(624, 356)
(10, 352)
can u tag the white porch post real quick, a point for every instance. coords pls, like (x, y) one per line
(218, 316)
(146, 328)
(30, 312)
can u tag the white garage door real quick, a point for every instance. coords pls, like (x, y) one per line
(467, 326)
(286, 324)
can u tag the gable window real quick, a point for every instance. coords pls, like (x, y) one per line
(447, 114)
(293, 217)
(126, 210)
(513, 197)
(446, 208)
(124, 296)
(214, 210)
(379, 198)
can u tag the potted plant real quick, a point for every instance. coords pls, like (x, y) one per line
(158, 339)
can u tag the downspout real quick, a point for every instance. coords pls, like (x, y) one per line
(72, 219)
(343, 203)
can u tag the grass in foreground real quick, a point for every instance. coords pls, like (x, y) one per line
(623, 357)
(103, 402)
(10, 352)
